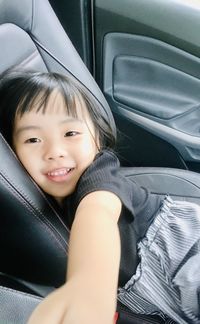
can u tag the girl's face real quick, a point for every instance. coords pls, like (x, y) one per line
(55, 148)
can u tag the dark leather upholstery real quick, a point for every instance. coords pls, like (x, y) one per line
(179, 184)
(32, 36)
(33, 238)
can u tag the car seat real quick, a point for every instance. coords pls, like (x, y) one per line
(33, 236)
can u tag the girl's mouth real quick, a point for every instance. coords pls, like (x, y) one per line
(59, 175)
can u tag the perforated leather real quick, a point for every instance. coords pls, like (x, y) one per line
(16, 306)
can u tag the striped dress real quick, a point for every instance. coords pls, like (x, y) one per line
(167, 279)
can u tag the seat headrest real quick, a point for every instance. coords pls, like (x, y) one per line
(17, 12)
(34, 22)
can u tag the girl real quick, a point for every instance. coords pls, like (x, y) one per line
(64, 141)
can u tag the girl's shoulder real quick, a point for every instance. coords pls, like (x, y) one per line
(107, 157)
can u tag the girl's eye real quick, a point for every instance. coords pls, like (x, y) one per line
(33, 140)
(71, 133)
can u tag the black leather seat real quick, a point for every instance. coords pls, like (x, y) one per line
(33, 237)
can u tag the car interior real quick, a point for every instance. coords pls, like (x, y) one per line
(33, 234)
(144, 55)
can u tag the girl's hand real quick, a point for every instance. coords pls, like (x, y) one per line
(52, 309)
(59, 308)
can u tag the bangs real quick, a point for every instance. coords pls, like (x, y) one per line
(37, 99)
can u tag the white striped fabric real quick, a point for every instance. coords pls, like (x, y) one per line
(167, 280)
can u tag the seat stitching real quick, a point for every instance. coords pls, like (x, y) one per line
(43, 221)
(33, 14)
(23, 194)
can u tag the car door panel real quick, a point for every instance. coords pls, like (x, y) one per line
(149, 72)
(157, 87)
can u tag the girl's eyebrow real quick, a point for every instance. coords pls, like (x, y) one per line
(71, 119)
(31, 127)
(25, 128)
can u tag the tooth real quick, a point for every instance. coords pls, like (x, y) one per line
(59, 172)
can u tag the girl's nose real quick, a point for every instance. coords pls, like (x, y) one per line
(55, 156)
(55, 152)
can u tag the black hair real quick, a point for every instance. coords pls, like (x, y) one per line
(20, 90)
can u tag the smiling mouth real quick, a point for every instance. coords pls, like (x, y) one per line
(59, 172)
(59, 175)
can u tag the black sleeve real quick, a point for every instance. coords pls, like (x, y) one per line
(104, 174)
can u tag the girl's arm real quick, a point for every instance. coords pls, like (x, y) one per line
(90, 294)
